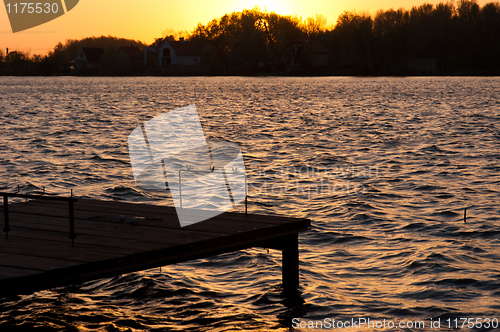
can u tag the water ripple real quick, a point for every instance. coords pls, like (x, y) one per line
(383, 166)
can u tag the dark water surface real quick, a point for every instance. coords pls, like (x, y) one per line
(384, 167)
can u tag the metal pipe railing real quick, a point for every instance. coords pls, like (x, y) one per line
(70, 200)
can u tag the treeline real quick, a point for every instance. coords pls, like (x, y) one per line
(458, 39)
(461, 39)
(243, 40)
(60, 59)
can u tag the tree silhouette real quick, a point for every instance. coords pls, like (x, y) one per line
(248, 38)
(460, 39)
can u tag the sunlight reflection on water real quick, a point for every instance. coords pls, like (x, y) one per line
(419, 150)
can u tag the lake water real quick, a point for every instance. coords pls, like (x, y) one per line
(383, 167)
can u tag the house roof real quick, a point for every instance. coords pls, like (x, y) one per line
(181, 47)
(185, 47)
(93, 54)
(153, 49)
(312, 45)
(131, 51)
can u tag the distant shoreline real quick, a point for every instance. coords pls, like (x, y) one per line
(474, 74)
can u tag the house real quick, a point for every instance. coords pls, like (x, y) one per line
(11, 56)
(421, 66)
(167, 52)
(305, 52)
(88, 58)
(16, 62)
(134, 54)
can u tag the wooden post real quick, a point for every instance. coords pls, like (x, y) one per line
(290, 269)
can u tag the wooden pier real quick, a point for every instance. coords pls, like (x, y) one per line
(36, 251)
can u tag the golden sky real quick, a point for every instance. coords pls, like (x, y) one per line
(146, 20)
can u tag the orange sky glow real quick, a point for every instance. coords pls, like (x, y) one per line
(148, 19)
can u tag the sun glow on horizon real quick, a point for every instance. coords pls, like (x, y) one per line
(281, 7)
(146, 21)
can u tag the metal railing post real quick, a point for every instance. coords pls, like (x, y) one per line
(72, 234)
(70, 200)
(180, 188)
(6, 228)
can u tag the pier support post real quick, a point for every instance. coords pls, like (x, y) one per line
(290, 261)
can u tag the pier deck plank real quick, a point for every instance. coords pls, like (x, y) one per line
(38, 253)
